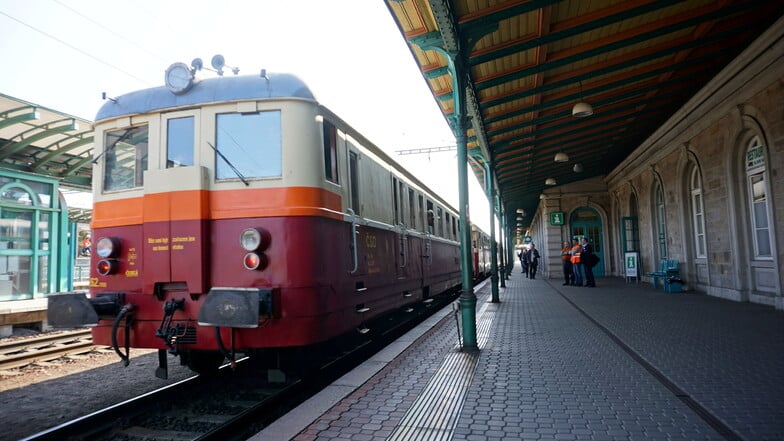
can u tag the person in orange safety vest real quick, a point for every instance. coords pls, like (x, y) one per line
(577, 276)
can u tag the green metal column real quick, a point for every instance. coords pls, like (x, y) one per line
(509, 248)
(497, 206)
(458, 121)
(493, 248)
(467, 297)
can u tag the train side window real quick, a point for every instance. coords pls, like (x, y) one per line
(421, 213)
(353, 172)
(439, 222)
(396, 201)
(447, 222)
(402, 202)
(179, 142)
(454, 228)
(125, 158)
(330, 152)
(411, 209)
(430, 218)
(248, 145)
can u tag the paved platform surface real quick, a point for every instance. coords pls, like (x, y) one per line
(616, 362)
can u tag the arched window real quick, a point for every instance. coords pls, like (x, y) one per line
(757, 183)
(661, 226)
(698, 212)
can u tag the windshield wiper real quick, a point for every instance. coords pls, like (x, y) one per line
(122, 138)
(233, 168)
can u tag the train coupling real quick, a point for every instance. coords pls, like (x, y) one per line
(75, 309)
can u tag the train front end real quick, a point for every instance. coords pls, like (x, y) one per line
(199, 232)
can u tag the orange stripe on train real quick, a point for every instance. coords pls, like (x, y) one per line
(224, 204)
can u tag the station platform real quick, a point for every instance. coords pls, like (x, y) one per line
(22, 312)
(616, 362)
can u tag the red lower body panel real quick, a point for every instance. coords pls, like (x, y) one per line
(317, 290)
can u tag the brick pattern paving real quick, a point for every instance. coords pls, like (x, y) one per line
(373, 411)
(549, 373)
(728, 356)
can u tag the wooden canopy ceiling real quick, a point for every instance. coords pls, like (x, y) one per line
(526, 63)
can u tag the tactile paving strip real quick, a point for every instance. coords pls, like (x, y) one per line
(435, 412)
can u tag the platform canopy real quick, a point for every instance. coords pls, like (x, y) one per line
(35, 139)
(527, 63)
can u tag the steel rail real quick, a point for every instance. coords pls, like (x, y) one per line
(19, 353)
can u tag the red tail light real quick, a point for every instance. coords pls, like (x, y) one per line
(106, 267)
(253, 261)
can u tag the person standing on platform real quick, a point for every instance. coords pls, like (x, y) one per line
(522, 262)
(533, 261)
(566, 262)
(526, 267)
(577, 276)
(587, 258)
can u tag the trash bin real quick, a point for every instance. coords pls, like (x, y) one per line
(673, 284)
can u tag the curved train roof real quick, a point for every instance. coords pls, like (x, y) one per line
(227, 88)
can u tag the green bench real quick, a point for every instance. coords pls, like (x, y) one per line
(667, 268)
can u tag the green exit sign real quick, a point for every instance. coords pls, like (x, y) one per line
(557, 218)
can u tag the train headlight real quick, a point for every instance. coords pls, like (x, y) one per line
(250, 239)
(253, 261)
(108, 247)
(106, 267)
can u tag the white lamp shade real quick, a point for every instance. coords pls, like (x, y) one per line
(582, 109)
(578, 168)
(561, 157)
(549, 181)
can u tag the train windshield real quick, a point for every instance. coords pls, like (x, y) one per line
(248, 145)
(125, 158)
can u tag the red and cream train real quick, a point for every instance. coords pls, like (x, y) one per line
(237, 212)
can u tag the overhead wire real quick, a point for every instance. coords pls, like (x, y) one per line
(109, 30)
(81, 51)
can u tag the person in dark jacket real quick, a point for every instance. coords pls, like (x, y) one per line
(533, 261)
(587, 258)
(566, 261)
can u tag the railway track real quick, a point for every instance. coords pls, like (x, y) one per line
(232, 405)
(46, 347)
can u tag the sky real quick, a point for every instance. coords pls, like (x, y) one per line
(63, 54)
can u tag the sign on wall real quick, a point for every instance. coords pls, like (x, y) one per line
(557, 218)
(631, 264)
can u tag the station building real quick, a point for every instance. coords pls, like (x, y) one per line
(706, 190)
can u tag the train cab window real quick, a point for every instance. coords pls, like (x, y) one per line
(447, 231)
(248, 145)
(330, 152)
(125, 153)
(179, 142)
(353, 171)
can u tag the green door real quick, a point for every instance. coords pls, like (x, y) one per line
(585, 222)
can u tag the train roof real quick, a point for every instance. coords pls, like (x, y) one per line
(209, 90)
